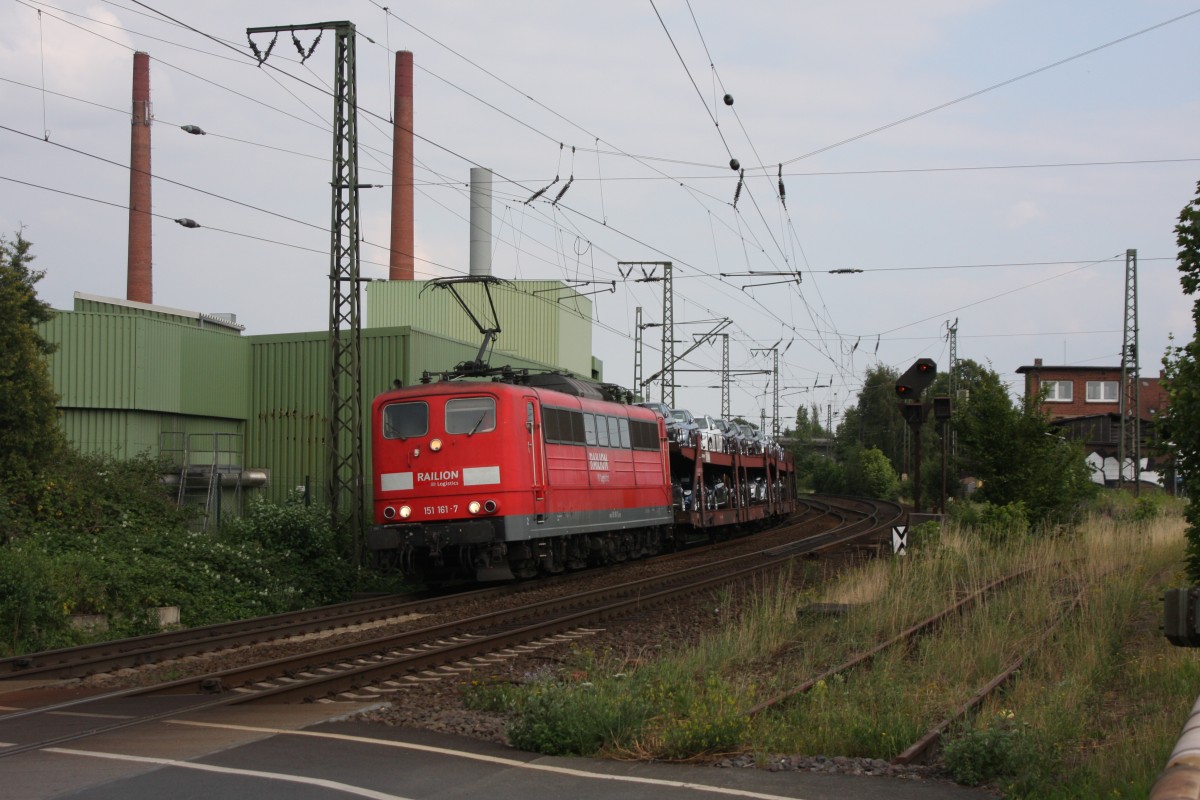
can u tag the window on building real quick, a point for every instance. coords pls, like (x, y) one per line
(1102, 391)
(1058, 391)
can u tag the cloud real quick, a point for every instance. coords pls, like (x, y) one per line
(1023, 214)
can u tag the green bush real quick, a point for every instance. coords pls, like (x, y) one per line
(994, 523)
(1148, 507)
(32, 614)
(102, 536)
(298, 548)
(91, 495)
(828, 477)
(710, 721)
(575, 719)
(926, 537)
(1004, 750)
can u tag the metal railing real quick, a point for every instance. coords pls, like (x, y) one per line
(1180, 780)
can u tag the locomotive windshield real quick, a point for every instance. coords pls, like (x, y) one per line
(402, 420)
(471, 415)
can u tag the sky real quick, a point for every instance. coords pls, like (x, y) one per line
(985, 164)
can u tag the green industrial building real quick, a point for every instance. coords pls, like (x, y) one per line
(234, 413)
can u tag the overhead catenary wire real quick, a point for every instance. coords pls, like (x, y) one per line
(995, 86)
(618, 178)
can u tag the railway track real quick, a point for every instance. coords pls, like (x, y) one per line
(74, 662)
(377, 668)
(161, 648)
(924, 746)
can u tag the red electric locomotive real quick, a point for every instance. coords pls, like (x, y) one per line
(495, 480)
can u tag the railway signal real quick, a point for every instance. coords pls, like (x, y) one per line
(909, 387)
(916, 378)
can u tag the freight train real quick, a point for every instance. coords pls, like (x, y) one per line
(533, 474)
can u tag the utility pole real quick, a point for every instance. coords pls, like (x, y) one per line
(637, 353)
(725, 376)
(952, 335)
(668, 323)
(1130, 439)
(668, 339)
(829, 428)
(774, 351)
(344, 448)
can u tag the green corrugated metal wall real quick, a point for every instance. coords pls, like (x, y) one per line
(289, 395)
(541, 320)
(139, 382)
(147, 364)
(124, 434)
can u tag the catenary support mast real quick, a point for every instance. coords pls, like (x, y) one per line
(1130, 445)
(344, 445)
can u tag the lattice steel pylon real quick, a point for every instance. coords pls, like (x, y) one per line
(1130, 443)
(952, 335)
(637, 354)
(775, 403)
(724, 376)
(667, 373)
(774, 351)
(668, 340)
(344, 445)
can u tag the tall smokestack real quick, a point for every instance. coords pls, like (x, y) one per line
(481, 221)
(401, 262)
(139, 274)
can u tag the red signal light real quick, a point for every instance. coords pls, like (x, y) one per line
(916, 378)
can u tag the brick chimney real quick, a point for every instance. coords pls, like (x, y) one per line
(139, 276)
(400, 264)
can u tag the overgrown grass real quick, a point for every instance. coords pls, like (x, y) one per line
(1092, 713)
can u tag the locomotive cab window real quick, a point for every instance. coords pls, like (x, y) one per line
(402, 420)
(601, 430)
(471, 415)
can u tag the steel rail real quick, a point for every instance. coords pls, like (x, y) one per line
(357, 677)
(925, 745)
(925, 626)
(302, 678)
(627, 597)
(138, 651)
(83, 660)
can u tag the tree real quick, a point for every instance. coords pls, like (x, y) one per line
(808, 423)
(1017, 455)
(30, 438)
(1182, 367)
(875, 420)
(870, 474)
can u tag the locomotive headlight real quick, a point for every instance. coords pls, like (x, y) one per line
(389, 512)
(474, 506)
(490, 506)
(405, 512)
(435, 445)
